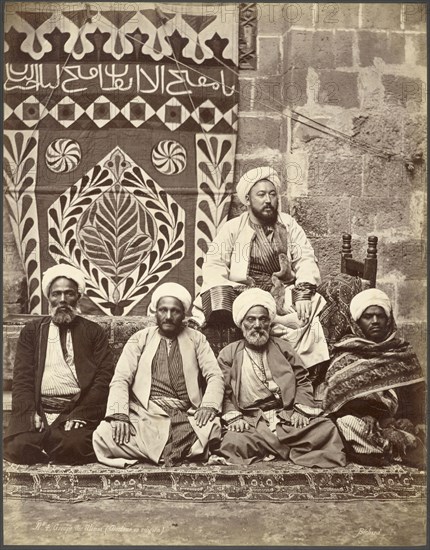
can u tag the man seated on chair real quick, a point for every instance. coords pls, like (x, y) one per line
(268, 406)
(375, 387)
(166, 392)
(267, 249)
(63, 367)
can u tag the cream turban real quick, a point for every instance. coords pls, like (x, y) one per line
(367, 298)
(175, 291)
(62, 270)
(250, 178)
(251, 298)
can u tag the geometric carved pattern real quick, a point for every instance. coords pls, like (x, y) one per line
(66, 112)
(137, 112)
(121, 229)
(207, 115)
(127, 30)
(248, 23)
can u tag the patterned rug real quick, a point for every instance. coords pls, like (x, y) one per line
(275, 482)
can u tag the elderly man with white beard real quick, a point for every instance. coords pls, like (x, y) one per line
(62, 370)
(268, 406)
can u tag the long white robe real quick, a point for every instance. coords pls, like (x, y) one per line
(151, 423)
(227, 264)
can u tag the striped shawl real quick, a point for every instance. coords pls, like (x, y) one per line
(361, 367)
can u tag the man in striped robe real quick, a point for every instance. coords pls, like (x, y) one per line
(267, 249)
(62, 370)
(166, 392)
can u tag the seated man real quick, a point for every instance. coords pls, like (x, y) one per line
(267, 249)
(63, 367)
(268, 405)
(375, 387)
(166, 391)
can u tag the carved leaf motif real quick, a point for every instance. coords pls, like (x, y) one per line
(116, 237)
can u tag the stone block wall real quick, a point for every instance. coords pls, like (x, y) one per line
(359, 69)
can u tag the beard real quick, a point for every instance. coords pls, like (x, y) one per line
(267, 216)
(257, 338)
(63, 315)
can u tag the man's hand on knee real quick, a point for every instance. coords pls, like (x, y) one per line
(74, 425)
(38, 423)
(203, 415)
(120, 431)
(299, 420)
(238, 425)
(303, 308)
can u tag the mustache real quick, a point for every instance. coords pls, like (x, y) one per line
(64, 307)
(63, 314)
(256, 335)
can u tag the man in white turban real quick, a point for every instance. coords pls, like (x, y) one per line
(63, 366)
(158, 409)
(380, 415)
(367, 298)
(268, 407)
(267, 249)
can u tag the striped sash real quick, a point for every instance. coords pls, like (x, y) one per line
(169, 391)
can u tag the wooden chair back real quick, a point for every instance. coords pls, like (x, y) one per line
(366, 269)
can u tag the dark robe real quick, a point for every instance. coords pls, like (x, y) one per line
(317, 444)
(94, 369)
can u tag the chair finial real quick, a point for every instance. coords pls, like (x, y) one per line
(372, 246)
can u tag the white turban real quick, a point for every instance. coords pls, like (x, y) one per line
(249, 299)
(367, 298)
(173, 290)
(250, 178)
(62, 270)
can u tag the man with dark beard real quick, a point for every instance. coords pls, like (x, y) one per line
(265, 248)
(268, 406)
(62, 370)
(166, 392)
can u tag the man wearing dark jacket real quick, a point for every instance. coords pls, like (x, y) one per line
(62, 371)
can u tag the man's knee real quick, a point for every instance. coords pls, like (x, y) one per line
(71, 447)
(239, 443)
(25, 448)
